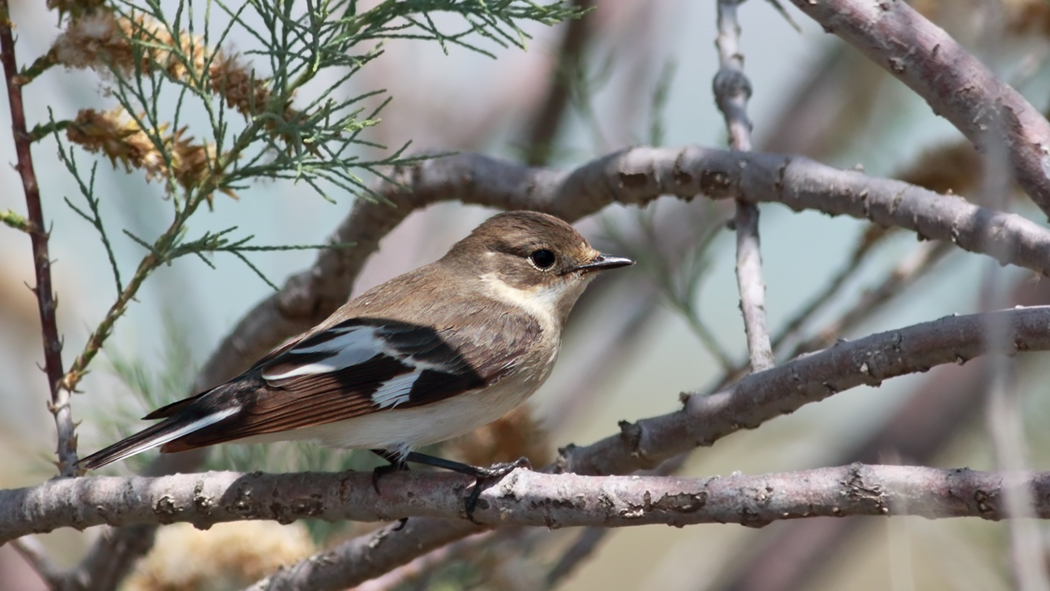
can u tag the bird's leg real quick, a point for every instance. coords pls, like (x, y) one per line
(397, 464)
(481, 475)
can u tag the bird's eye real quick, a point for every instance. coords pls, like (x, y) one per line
(543, 258)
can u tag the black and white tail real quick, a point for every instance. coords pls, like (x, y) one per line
(166, 431)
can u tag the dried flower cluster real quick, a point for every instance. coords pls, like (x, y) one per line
(1017, 16)
(949, 168)
(105, 41)
(229, 556)
(123, 140)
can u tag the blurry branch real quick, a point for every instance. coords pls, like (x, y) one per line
(36, 555)
(911, 268)
(679, 281)
(542, 128)
(204, 499)
(415, 573)
(527, 498)
(585, 545)
(932, 416)
(865, 246)
(36, 227)
(825, 111)
(954, 83)
(367, 557)
(732, 90)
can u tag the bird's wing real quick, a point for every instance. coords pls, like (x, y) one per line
(353, 368)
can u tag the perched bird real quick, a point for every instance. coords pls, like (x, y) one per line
(424, 357)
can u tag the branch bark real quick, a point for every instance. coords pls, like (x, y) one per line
(527, 498)
(204, 499)
(955, 84)
(786, 388)
(638, 175)
(37, 230)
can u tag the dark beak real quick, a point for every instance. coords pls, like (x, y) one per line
(603, 262)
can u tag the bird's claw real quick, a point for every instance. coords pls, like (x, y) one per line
(385, 469)
(485, 476)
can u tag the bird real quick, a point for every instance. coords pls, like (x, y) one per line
(427, 356)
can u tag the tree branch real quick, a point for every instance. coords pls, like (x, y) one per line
(367, 557)
(37, 229)
(528, 498)
(205, 499)
(954, 83)
(786, 388)
(638, 175)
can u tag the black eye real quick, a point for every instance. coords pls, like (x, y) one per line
(543, 258)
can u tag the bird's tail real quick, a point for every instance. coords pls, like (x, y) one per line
(163, 432)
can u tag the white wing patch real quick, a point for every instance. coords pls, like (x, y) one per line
(173, 435)
(395, 391)
(355, 345)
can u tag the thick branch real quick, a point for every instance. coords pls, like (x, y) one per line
(635, 176)
(46, 302)
(954, 83)
(531, 498)
(784, 389)
(732, 91)
(204, 499)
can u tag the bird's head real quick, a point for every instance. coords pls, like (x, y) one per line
(532, 259)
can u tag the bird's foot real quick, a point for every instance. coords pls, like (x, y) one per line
(483, 477)
(395, 465)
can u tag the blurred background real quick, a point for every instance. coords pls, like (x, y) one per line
(630, 73)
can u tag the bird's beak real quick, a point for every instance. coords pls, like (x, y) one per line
(603, 262)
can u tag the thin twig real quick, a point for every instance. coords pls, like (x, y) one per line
(862, 250)
(1003, 399)
(913, 267)
(542, 128)
(732, 90)
(46, 302)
